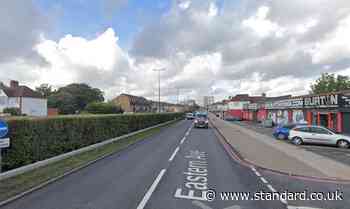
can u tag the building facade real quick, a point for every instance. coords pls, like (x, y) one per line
(130, 103)
(207, 101)
(28, 101)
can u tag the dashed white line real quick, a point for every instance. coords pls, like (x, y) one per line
(264, 180)
(174, 154)
(271, 188)
(148, 194)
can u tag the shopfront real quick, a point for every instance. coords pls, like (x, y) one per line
(286, 111)
(325, 110)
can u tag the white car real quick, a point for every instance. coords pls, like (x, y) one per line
(318, 135)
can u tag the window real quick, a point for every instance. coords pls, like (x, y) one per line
(303, 129)
(3, 100)
(319, 130)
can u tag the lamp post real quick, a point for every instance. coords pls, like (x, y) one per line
(159, 70)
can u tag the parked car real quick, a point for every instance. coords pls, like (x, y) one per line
(201, 121)
(282, 131)
(189, 116)
(318, 135)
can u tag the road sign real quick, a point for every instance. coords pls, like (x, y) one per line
(4, 143)
(3, 129)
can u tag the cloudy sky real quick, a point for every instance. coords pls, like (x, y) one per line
(208, 47)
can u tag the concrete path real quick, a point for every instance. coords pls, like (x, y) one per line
(267, 152)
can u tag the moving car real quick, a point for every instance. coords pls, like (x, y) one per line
(189, 116)
(282, 131)
(201, 121)
(318, 135)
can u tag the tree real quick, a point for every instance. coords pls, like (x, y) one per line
(103, 108)
(45, 90)
(64, 102)
(330, 83)
(73, 98)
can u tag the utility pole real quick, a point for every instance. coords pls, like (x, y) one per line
(159, 70)
(178, 95)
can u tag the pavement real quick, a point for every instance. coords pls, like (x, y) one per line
(332, 152)
(265, 151)
(178, 168)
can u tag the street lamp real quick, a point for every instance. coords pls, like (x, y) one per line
(159, 70)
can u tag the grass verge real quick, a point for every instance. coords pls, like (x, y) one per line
(21, 183)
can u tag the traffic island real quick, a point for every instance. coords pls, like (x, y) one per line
(265, 152)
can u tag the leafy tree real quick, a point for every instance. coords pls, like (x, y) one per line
(330, 83)
(73, 98)
(45, 90)
(103, 108)
(64, 101)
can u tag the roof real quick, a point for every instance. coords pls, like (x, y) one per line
(20, 91)
(135, 99)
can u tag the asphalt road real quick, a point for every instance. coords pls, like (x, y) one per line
(340, 155)
(171, 170)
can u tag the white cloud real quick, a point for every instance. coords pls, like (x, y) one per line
(184, 5)
(336, 46)
(99, 62)
(213, 10)
(261, 25)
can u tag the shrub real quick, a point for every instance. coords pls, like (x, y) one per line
(35, 139)
(103, 108)
(14, 111)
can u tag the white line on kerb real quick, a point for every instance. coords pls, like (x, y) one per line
(145, 199)
(257, 173)
(263, 180)
(174, 154)
(271, 188)
(182, 140)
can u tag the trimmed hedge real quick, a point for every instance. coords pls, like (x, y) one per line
(38, 139)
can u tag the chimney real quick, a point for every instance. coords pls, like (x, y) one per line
(263, 94)
(14, 84)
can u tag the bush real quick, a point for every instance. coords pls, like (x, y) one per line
(35, 139)
(103, 108)
(14, 111)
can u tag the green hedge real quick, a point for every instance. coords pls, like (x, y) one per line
(33, 140)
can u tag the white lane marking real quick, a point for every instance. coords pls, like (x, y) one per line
(253, 169)
(264, 180)
(174, 154)
(284, 201)
(257, 173)
(148, 194)
(182, 140)
(186, 134)
(271, 188)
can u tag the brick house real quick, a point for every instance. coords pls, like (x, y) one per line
(131, 103)
(28, 101)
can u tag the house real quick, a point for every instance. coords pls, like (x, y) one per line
(28, 101)
(131, 103)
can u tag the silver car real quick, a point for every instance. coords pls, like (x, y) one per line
(318, 135)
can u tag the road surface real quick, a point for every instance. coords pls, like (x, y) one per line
(173, 169)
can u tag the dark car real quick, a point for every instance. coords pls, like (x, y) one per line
(201, 121)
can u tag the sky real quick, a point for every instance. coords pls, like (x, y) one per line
(207, 47)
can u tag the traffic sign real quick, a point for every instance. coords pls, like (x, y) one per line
(4, 129)
(4, 143)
